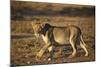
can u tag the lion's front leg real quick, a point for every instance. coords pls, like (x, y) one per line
(41, 52)
(45, 47)
(51, 51)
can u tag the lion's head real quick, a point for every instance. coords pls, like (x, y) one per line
(37, 27)
(40, 28)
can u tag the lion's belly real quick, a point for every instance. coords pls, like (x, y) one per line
(61, 36)
(61, 40)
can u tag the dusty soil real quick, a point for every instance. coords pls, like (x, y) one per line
(24, 45)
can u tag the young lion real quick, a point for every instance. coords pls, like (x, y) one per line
(61, 35)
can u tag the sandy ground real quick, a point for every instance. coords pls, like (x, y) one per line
(24, 45)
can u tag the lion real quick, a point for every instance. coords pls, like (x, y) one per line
(61, 35)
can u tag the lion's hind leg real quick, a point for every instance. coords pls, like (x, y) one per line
(84, 46)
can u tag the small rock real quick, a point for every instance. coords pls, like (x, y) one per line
(28, 62)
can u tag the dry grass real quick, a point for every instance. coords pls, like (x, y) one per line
(24, 45)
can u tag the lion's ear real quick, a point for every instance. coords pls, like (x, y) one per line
(47, 26)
